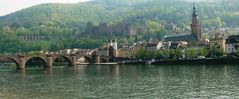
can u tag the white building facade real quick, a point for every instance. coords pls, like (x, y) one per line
(232, 44)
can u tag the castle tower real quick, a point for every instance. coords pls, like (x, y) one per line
(110, 43)
(114, 43)
(112, 48)
(195, 26)
(115, 47)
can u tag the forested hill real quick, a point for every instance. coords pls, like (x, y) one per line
(60, 23)
(76, 15)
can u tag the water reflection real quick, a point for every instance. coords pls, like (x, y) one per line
(21, 72)
(123, 81)
(48, 70)
(80, 69)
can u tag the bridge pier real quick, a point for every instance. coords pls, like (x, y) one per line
(22, 62)
(73, 57)
(49, 61)
(97, 59)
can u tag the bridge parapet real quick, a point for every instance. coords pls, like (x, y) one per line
(22, 59)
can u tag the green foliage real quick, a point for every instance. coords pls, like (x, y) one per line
(176, 53)
(141, 53)
(191, 53)
(160, 53)
(34, 53)
(237, 52)
(151, 54)
(202, 52)
(214, 51)
(179, 53)
(196, 52)
(63, 24)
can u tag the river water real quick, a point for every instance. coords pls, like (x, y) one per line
(121, 81)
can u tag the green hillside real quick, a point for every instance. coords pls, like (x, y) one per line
(63, 25)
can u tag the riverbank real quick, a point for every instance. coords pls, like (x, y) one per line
(198, 61)
(112, 63)
(206, 61)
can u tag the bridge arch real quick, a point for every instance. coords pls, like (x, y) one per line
(11, 59)
(84, 59)
(38, 58)
(69, 61)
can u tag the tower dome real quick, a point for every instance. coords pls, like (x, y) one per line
(195, 14)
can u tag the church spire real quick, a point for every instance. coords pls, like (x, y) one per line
(195, 14)
(195, 26)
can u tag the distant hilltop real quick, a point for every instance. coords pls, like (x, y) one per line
(133, 11)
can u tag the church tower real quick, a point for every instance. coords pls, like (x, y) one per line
(195, 26)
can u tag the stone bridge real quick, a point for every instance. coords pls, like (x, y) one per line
(48, 59)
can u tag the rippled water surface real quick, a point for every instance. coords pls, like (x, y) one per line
(131, 81)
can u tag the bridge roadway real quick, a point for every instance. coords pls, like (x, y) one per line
(21, 60)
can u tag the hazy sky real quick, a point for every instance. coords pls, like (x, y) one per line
(9, 6)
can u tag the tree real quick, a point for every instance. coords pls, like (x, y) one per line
(215, 51)
(178, 53)
(202, 52)
(191, 53)
(217, 22)
(237, 51)
(163, 54)
(160, 54)
(152, 28)
(151, 54)
(141, 53)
